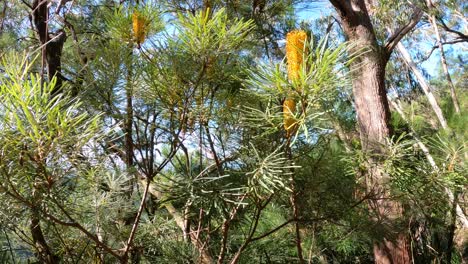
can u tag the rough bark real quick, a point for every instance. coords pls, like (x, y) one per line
(52, 43)
(371, 107)
(393, 251)
(369, 72)
(373, 116)
(392, 243)
(129, 150)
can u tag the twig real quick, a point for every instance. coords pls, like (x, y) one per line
(225, 230)
(137, 221)
(454, 41)
(252, 229)
(460, 35)
(273, 230)
(293, 200)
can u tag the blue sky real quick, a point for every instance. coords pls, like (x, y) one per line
(314, 10)
(317, 9)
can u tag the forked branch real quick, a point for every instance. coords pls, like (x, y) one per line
(401, 32)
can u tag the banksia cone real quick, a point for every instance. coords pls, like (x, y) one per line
(139, 27)
(295, 42)
(290, 125)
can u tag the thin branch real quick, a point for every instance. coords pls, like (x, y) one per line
(401, 32)
(273, 230)
(225, 230)
(211, 168)
(26, 3)
(252, 229)
(213, 149)
(73, 223)
(86, 232)
(293, 201)
(455, 41)
(10, 247)
(460, 35)
(137, 220)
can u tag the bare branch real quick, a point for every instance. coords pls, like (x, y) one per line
(225, 230)
(446, 28)
(26, 3)
(401, 32)
(273, 230)
(137, 220)
(429, 54)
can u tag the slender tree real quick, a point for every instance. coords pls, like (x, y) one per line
(433, 20)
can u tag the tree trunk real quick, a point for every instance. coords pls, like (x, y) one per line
(52, 43)
(128, 123)
(395, 252)
(424, 85)
(453, 94)
(43, 251)
(44, 254)
(370, 98)
(373, 116)
(373, 120)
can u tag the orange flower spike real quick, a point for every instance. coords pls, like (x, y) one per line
(139, 27)
(289, 107)
(295, 42)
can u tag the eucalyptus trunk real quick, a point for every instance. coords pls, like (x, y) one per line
(424, 85)
(373, 114)
(373, 119)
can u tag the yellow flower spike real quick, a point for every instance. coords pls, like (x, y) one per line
(295, 42)
(139, 27)
(290, 125)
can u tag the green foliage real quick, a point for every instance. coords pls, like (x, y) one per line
(166, 245)
(451, 158)
(41, 119)
(276, 248)
(198, 108)
(269, 173)
(321, 76)
(119, 22)
(209, 36)
(49, 159)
